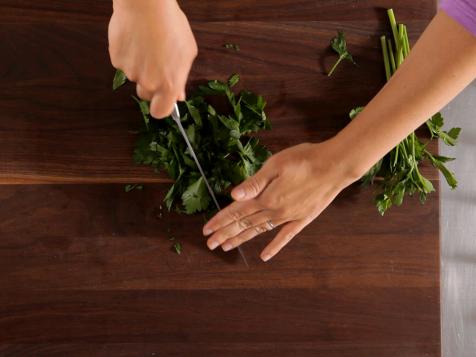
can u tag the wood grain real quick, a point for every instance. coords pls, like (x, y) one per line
(81, 237)
(88, 270)
(91, 266)
(77, 130)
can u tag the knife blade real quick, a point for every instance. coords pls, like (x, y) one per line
(176, 117)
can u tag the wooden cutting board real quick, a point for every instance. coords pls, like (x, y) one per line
(87, 269)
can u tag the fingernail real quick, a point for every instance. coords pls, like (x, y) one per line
(226, 247)
(266, 257)
(207, 231)
(239, 193)
(212, 245)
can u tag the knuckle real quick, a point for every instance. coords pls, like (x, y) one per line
(271, 162)
(244, 223)
(234, 216)
(194, 50)
(253, 186)
(148, 84)
(114, 58)
(268, 202)
(167, 85)
(130, 74)
(261, 229)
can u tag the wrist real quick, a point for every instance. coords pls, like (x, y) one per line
(349, 166)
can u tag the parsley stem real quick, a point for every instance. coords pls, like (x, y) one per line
(341, 57)
(396, 155)
(386, 61)
(392, 57)
(405, 38)
(393, 24)
(401, 35)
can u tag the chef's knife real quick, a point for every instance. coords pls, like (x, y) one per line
(176, 118)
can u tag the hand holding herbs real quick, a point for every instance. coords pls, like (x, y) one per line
(398, 173)
(220, 138)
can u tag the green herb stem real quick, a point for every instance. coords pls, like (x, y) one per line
(341, 58)
(393, 25)
(386, 61)
(392, 57)
(406, 40)
(401, 35)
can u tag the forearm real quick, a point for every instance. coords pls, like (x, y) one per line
(441, 64)
(142, 5)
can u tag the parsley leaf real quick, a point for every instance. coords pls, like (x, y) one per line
(217, 121)
(177, 247)
(196, 197)
(131, 187)
(119, 79)
(339, 45)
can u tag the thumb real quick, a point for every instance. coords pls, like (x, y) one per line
(254, 185)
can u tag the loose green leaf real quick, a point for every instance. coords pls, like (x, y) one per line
(354, 112)
(196, 197)
(178, 248)
(145, 110)
(218, 86)
(233, 80)
(119, 79)
(131, 187)
(339, 45)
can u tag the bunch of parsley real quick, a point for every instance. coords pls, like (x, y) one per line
(220, 139)
(398, 172)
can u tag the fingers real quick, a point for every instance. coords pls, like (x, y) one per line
(253, 186)
(245, 236)
(288, 232)
(182, 97)
(235, 228)
(230, 214)
(144, 94)
(162, 104)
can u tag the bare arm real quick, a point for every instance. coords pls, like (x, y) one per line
(297, 184)
(442, 63)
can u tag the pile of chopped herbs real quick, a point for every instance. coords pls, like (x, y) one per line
(398, 172)
(218, 123)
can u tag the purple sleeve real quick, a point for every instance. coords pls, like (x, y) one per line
(463, 11)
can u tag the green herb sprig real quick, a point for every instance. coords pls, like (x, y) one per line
(220, 137)
(399, 171)
(339, 45)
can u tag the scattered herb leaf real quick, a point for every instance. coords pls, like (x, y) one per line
(131, 187)
(119, 79)
(339, 45)
(178, 248)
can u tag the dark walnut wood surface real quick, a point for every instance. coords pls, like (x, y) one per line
(86, 269)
